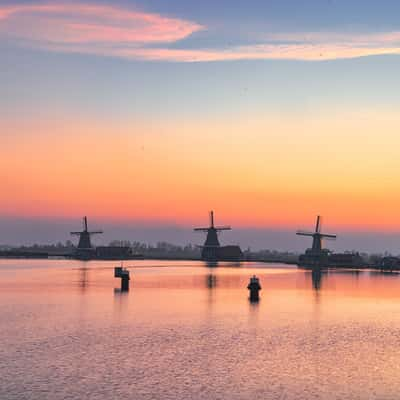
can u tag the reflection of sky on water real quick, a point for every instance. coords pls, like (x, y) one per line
(188, 331)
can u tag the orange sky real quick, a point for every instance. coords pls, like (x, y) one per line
(264, 171)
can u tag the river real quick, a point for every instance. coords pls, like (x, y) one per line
(188, 331)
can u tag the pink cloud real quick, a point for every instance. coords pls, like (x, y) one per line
(305, 52)
(258, 52)
(112, 31)
(83, 23)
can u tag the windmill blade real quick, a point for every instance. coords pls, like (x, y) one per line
(201, 229)
(328, 236)
(305, 233)
(95, 232)
(318, 225)
(223, 228)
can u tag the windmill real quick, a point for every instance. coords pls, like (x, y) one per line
(316, 253)
(317, 236)
(84, 236)
(211, 245)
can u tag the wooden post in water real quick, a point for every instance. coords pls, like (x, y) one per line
(120, 272)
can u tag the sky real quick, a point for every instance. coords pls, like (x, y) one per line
(145, 115)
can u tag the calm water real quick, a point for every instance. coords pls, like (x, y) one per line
(186, 331)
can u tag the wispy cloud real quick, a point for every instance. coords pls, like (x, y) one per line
(305, 52)
(113, 31)
(87, 23)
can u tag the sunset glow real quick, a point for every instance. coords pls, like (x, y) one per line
(135, 114)
(155, 172)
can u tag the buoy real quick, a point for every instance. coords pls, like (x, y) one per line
(254, 287)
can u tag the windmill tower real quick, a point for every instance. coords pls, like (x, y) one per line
(85, 243)
(316, 254)
(211, 245)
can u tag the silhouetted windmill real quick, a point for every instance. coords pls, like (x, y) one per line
(316, 256)
(84, 236)
(317, 236)
(211, 245)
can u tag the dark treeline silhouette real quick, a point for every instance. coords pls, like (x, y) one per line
(165, 250)
(161, 249)
(271, 256)
(68, 245)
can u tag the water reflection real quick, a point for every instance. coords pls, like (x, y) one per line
(190, 332)
(225, 264)
(120, 293)
(254, 313)
(120, 300)
(234, 264)
(384, 273)
(211, 281)
(83, 278)
(316, 276)
(316, 280)
(211, 264)
(211, 284)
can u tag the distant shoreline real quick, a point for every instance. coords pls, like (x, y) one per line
(38, 256)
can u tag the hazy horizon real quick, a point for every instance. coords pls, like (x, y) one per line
(28, 231)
